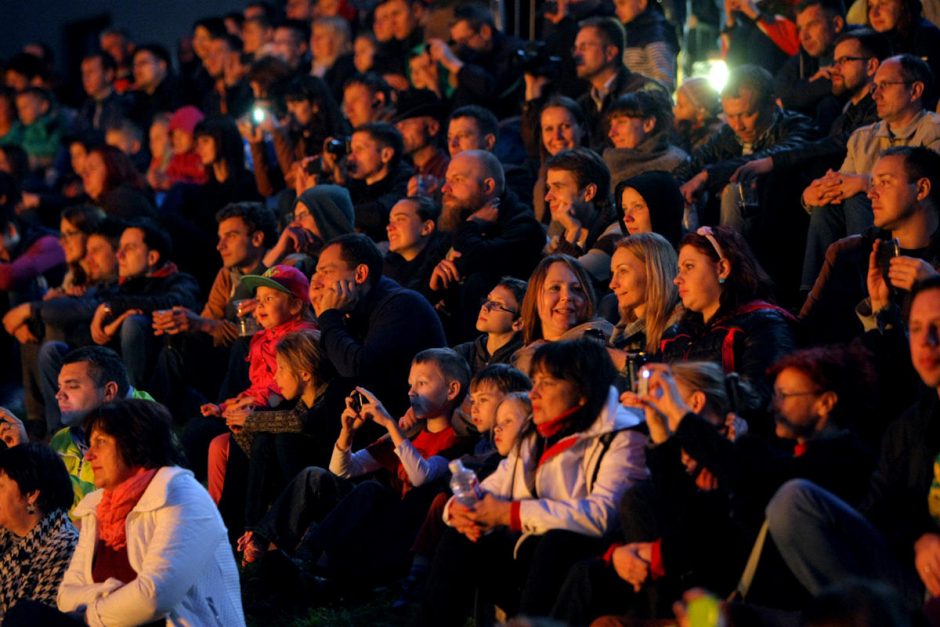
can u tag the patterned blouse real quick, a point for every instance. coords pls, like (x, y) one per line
(32, 566)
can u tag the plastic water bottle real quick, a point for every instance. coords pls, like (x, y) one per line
(464, 484)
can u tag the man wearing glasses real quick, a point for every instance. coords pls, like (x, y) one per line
(837, 201)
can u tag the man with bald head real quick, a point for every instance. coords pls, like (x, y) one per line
(493, 235)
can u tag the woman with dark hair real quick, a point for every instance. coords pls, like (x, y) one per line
(550, 502)
(729, 318)
(902, 22)
(36, 536)
(76, 223)
(558, 305)
(651, 203)
(561, 126)
(152, 544)
(114, 184)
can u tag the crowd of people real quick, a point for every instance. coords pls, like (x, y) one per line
(352, 294)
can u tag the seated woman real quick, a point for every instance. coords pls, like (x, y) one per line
(681, 510)
(643, 271)
(561, 126)
(551, 501)
(651, 203)
(696, 113)
(320, 214)
(640, 126)
(152, 544)
(36, 536)
(558, 305)
(729, 319)
(113, 183)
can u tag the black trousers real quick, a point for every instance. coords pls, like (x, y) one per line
(525, 584)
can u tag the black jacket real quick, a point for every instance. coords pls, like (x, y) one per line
(416, 274)
(161, 289)
(478, 357)
(747, 341)
(510, 246)
(492, 79)
(375, 343)
(797, 92)
(722, 154)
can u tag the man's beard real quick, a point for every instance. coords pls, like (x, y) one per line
(454, 212)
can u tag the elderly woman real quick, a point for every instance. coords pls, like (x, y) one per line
(152, 544)
(36, 537)
(558, 305)
(551, 501)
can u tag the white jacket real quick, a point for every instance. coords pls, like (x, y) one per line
(580, 488)
(177, 544)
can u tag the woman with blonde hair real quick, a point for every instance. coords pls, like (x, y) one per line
(643, 270)
(558, 305)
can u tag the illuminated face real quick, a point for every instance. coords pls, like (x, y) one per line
(359, 104)
(94, 175)
(551, 397)
(429, 392)
(744, 117)
(636, 213)
(697, 280)
(883, 15)
(275, 307)
(464, 133)
(796, 404)
(499, 314)
(893, 196)
(591, 55)
(628, 280)
(560, 131)
(159, 139)
(206, 149)
(100, 259)
(106, 461)
(94, 79)
(894, 98)
(367, 158)
(466, 37)
(302, 111)
(484, 401)
(510, 418)
(290, 383)
(464, 188)
(924, 336)
(416, 133)
(685, 110)
(363, 54)
(149, 71)
(133, 256)
(562, 302)
(182, 141)
(29, 108)
(78, 394)
(236, 245)
(850, 68)
(72, 240)
(629, 132)
(562, 193)
(816, 30)
(406, 230)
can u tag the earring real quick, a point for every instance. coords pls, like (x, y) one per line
(721, 280)
(30, 509)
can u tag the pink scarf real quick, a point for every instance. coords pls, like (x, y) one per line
(116, 504)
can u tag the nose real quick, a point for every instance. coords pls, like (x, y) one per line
(677, 280)
(446, 188)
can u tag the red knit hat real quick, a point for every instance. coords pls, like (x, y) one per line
(186, 118)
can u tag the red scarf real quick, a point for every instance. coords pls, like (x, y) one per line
(556, 424)
(116, 504)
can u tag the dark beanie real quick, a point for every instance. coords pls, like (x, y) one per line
(666, 204)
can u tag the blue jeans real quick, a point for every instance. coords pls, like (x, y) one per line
(823, 541)
(829, 224)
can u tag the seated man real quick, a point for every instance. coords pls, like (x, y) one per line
(485, 65)
(419, 122)
(756, 127)
(199, 344)
(415, 246)
(910, 217)
(579, 198)
(89, 378)
(894, 536)
(365, 530)
(837, 202)
(494, 236)
(147, 281)
(370, 327)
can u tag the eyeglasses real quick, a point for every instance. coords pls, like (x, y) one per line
(490, 305)
(782, 396)
(884, 84)
(301, 214)
(843, 60)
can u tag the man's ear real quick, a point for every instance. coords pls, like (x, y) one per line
(923, 188)
(362, 273)
(489, 140)
(917, 90)
(589, 192)
(434, 127)
(838, 24)
(610, 52)
(387, 154)
(257, 239)
(110, 391)
(153, 258)
(489, 185)
(873, 64)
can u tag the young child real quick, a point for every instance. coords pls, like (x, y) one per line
(513, 421)
(185, 165)
(362, 531)
(500, 322)
(160, 153)
(282, 308)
